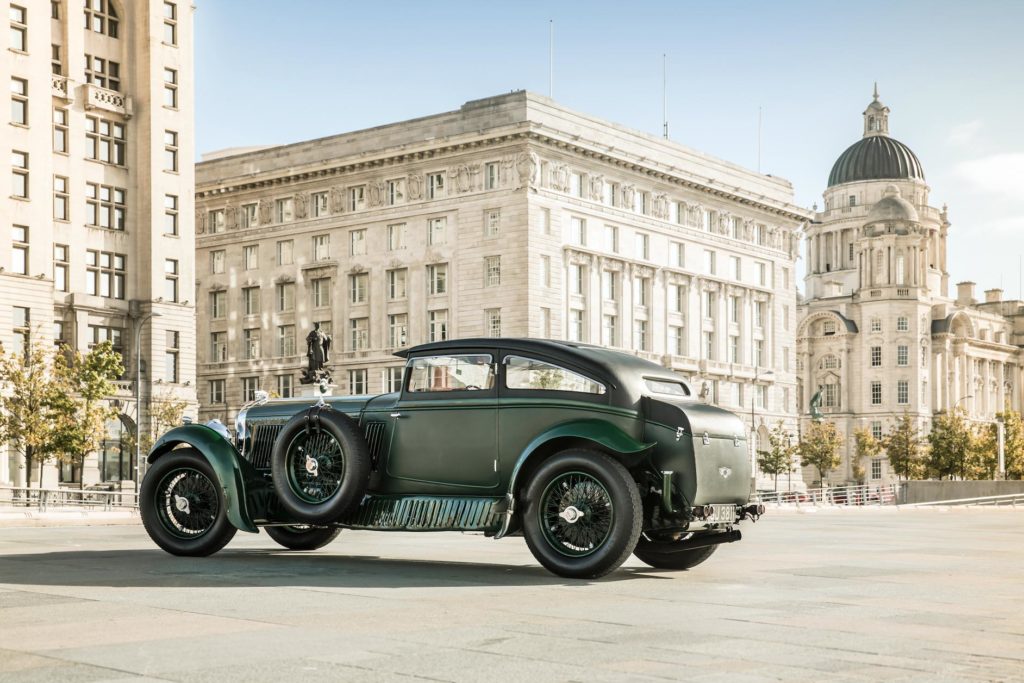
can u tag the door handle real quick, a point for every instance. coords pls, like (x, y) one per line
(397, 415)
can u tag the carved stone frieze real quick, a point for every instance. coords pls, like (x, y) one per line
(415, 185)
(301, 204)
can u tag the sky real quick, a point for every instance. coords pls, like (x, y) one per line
(951, 72)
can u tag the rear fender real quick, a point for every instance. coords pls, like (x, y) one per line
(232, 471)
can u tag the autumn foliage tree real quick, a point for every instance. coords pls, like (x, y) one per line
(905, 448)
(819, 448)
(865, 447)
(779, 456)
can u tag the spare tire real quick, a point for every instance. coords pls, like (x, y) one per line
(320, 465)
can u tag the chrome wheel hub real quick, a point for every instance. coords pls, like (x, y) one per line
(312, 466)
(571, 514)
(181, 504)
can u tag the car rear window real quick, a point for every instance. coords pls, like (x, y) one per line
(664, 386)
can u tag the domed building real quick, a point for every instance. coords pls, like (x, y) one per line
(879, 334)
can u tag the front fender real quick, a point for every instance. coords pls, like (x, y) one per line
(232, 472)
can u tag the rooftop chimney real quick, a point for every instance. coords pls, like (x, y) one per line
(993, 296)
(964, 293)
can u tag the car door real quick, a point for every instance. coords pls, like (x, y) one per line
(445, 424)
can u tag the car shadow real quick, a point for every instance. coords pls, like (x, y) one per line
(272, 568)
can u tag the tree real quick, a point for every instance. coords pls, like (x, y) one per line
(1013, 443)
(820, 448)
(29, 387)
(951, 446)
(865, 447)
(779, 456)
(905, 448)
(79, 408)
(984, 460)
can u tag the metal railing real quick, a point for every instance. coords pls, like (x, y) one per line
(1011, 499)
(861, 494)
(55, 499)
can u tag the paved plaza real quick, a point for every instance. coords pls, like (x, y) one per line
(833, 595)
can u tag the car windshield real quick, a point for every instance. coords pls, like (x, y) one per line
(662, 386)
(451, 373)
(527, 373)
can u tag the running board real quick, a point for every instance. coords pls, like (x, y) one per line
(427, 513)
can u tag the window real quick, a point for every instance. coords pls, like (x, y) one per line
(218, 304)
(609, 331)
(492, 322)
(398, 327)
(737, 228)
(830, 362)
(491, 176)
(902, 356)
(392, 379)
(357, 381)
(760, 313)
(737, 267)
(576, 279)
(535, 375)
(19, 171)
(284, 209)
(358, 285)
(105, 141)
(576, 325)
(902, 324)
(359, 333)
(19, 253)
(318, 204)
(610, 194)
(251, 256)
(676, 296)
(876, 468)
(357, 242)
(876, 430)
(19, 101)
(19, 29)
(709, 262)
(876, 393)
(171, 151)
(103, 73)
(853, 200)
(284, 386)
(437, 278)
(641, 287)
(105, 206)
(830, 397)
(321, 247)
(492, 271)
(216, 391)
(61, 198)
(677, 255)
(675, 340)
(170, 214)
(60, 131)
(217, 259)
(61, 264)
(321, 292)
(876, 356)
(435, 186)
(708, 219)
(759, 353)
(436, 228)
(576, 184)
(284, 252)
(639, 335)
(286, 340)
(249, 216)
(545, 221)
(876, 325)
(250, 385)
(56, 63)
(171, 279)
(578, 231)
(437, 322)
(902, 392)
(397, 283)
(709, 345)
(171, 88)
(828, 328)
(734, 309)
(492, 222)
(285, 296)
(395, 192)
(100, 334)
(396, 237)
(642, 246)
(761, 235)
(170, 23)
(105, 274)
(762, 274)
(545, 271)
(357, 198)
(609, 285)
(171, 357)
(100, 16)
(251, 300)
(251, 343)
(451, 373)
(611, 238)
(642, 203)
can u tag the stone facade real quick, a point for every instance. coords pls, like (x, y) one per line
(96, 115)
(544, 222)
(879, 333)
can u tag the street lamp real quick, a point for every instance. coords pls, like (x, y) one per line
(137, 331)
(962, 398)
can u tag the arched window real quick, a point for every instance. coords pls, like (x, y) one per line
(900, 270)
(101, 17)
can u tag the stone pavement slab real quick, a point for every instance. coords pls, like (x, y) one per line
(838, 595)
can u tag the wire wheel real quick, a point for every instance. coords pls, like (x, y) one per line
(315, 466)
(188, 503)
(577, 514)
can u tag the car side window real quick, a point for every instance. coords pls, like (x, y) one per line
(471, 372)
(529, 373)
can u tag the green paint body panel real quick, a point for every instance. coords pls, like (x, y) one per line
(232, 471)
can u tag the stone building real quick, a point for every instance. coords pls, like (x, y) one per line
(509, 216)
(880, 335)
(99, 217)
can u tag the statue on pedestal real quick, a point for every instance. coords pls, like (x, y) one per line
(318, 346)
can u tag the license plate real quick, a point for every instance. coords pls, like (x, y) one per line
(723, 514)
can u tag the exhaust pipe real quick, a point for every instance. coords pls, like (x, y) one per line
(703, 541)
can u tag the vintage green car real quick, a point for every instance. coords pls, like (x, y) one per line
(591, 454)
